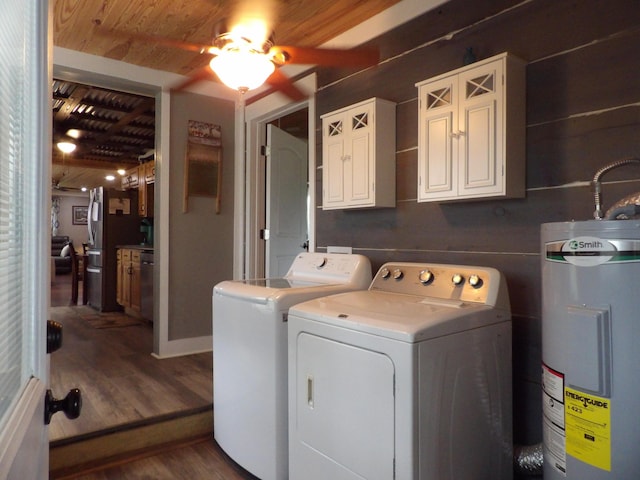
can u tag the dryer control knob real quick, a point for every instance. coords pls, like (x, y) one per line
(385, 273)
(397, 274)
(425, 277)
(457, 279)
(475, 281)
(321, 262)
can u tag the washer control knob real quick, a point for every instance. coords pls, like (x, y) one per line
(425, 277)
(321, 262)
(475, 281)
(397, 274)
(457, 279)
(384, 272)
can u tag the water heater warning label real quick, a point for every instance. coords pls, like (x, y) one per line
(553, 419)
(588, 428)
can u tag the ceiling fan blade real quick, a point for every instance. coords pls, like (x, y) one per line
(281, 83)
(204, 73)
(364, 56)
(149, 38)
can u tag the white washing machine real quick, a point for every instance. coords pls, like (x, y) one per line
(250, 355)
(410, 379)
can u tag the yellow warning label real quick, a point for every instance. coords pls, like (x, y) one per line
(588, 428)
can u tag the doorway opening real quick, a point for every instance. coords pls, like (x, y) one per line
(286, 199)
(114, 370)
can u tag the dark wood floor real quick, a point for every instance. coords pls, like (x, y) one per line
(119, 379)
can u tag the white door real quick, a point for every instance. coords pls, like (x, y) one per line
(287, 200)
(25, 156)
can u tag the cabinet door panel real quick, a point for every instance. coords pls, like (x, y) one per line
(126, 278)
(438, 167)
(119, 276)
(361, 165)
(478, 143)
(135, 284)
(334, 172)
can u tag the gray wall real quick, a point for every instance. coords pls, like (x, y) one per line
(583, 112)
(77, 233)
(200, 241)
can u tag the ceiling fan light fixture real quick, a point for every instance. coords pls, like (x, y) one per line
(66, 147)
(242, 70)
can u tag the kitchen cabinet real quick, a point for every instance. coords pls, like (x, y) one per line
(128, 292)
(142, 178)
(358, 156)
(131, 179)
(471, 137)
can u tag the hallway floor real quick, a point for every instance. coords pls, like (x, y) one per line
(113, 368)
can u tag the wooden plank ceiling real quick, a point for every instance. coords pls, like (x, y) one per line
(115, 126)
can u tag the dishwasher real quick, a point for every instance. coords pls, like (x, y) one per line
(146, 285)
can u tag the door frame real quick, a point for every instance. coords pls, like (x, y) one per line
(250, 199)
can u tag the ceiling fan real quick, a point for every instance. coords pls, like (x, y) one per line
(57, 185)
(244, 57)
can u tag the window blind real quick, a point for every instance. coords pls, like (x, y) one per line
(18, 184)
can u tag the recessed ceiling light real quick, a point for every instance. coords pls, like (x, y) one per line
(110, 178)
(84, 189)
(121, 171)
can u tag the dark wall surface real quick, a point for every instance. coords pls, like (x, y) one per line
(583, 112)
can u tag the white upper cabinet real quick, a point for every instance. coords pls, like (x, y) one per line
(471, 137)
(358, 156)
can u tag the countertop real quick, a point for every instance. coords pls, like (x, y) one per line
(146, 248)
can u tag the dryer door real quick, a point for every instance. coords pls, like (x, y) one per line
(344, 412)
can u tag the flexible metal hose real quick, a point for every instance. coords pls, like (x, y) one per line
(597, 214)
(528, 459)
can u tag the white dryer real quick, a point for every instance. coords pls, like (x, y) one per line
(410, 379)
(250, 355)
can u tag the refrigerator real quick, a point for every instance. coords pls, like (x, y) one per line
(113, 221)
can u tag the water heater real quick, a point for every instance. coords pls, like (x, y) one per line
(590, 351)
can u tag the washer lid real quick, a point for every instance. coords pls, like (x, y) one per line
(407, 318)
(279, 283)
(266, 290)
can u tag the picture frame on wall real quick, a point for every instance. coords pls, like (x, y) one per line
(203, 163)
(79, 215)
